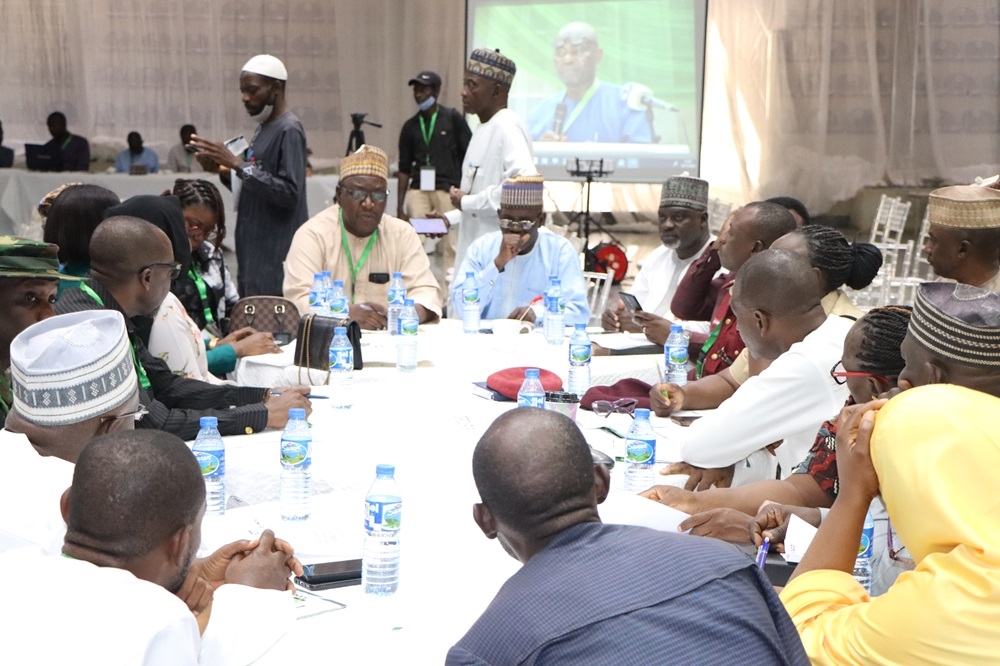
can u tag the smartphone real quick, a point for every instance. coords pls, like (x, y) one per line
(630, 301)
(428, 225)
(326, 575)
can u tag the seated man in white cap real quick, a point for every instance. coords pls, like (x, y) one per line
(512, 265)
(684, 236)
(270, 185)
(500, 147)
(963, 242)
(53, 417)
(358, 243)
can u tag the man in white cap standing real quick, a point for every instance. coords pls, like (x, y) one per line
(270, 182)
(500, 147)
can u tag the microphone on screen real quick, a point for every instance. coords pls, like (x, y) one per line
(559, 118)
(639, 98)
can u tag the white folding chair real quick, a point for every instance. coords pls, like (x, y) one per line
(598, 290)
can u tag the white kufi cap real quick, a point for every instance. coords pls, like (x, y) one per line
(266, 65)
(72, 367)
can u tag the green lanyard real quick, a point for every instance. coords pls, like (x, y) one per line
(704, 350)
(203, 292)
(578, 109)
(355, 268)
(66, 142)
(141, 371)
(428, 132)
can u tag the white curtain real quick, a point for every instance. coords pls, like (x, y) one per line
(153, 65)
(819, 98)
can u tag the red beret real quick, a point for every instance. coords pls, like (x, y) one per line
(626, 388)
(508, 382)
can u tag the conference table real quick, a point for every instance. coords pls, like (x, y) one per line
(21, 191)
(426, 423)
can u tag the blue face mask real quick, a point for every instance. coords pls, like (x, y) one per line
(427, 103)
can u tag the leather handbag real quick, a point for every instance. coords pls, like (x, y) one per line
(267, 314)
(312, 345)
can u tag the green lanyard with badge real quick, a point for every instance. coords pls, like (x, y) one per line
(199, 282)
(428, 174)
(578, 109)
(355, 268)
(141, 371)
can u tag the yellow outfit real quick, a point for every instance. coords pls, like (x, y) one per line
(936, 451)
(834, 303)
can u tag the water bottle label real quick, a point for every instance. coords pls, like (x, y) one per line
(470, 296)
(342, 359)
(640, 451)
(338, 307)
(211, 465)
(531, 400)
(315, 298)
(579, 353)
(552, 304)
(383, 516)
(562, 305)
(295, 453)
(408, 326)
(865, 547)
(396, 296)
(677, 355)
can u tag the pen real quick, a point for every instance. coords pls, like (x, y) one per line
(762, 552)
(311, 396)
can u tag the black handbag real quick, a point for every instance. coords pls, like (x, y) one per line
(312, 344)
(267, 314)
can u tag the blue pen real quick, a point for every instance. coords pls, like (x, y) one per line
(762, 552)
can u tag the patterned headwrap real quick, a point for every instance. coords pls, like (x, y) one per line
(72, 367)
(366, 161)
(523, 191)
(492, 65)
(965, 206)
(958, 322)
(684, 192)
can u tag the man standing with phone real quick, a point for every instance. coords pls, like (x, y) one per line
(431, 146)
(270, 183)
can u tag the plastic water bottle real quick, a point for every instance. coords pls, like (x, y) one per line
(338, 301)
(579, 361)
(675, 355)
(317, 297)
(640, 453)
(210, 451)
(553, 325)
(406, 347)
(341, 369)
(380, 556)
(531, 393)
(296, 462)
(397, 296)
(470, 304)
(863, 565)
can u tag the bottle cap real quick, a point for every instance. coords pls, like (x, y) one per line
(338, 283)
(317, 276)
(340, 330)
(326, 273)
(408, 302)
(385, 470)
(641, 414)
(676, 328)
(555, 280)
(397, 274)
(470, 274)
(208, 422)
(580, 327)
(531, 373)
(297, 413)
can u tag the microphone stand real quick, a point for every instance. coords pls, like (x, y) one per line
(654, 137)
(589, 170)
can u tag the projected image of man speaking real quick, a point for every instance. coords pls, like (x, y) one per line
(588, 109)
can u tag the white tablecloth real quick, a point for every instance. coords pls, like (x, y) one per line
(20, 192)
(427, 424)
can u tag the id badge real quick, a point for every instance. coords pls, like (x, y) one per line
(428, 179)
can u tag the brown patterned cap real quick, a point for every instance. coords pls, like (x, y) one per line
(965, 207)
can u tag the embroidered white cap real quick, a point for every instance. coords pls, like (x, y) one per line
(266, 65)
(72, 367)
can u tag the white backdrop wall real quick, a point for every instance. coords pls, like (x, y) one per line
(818, 98)
(152, 65)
